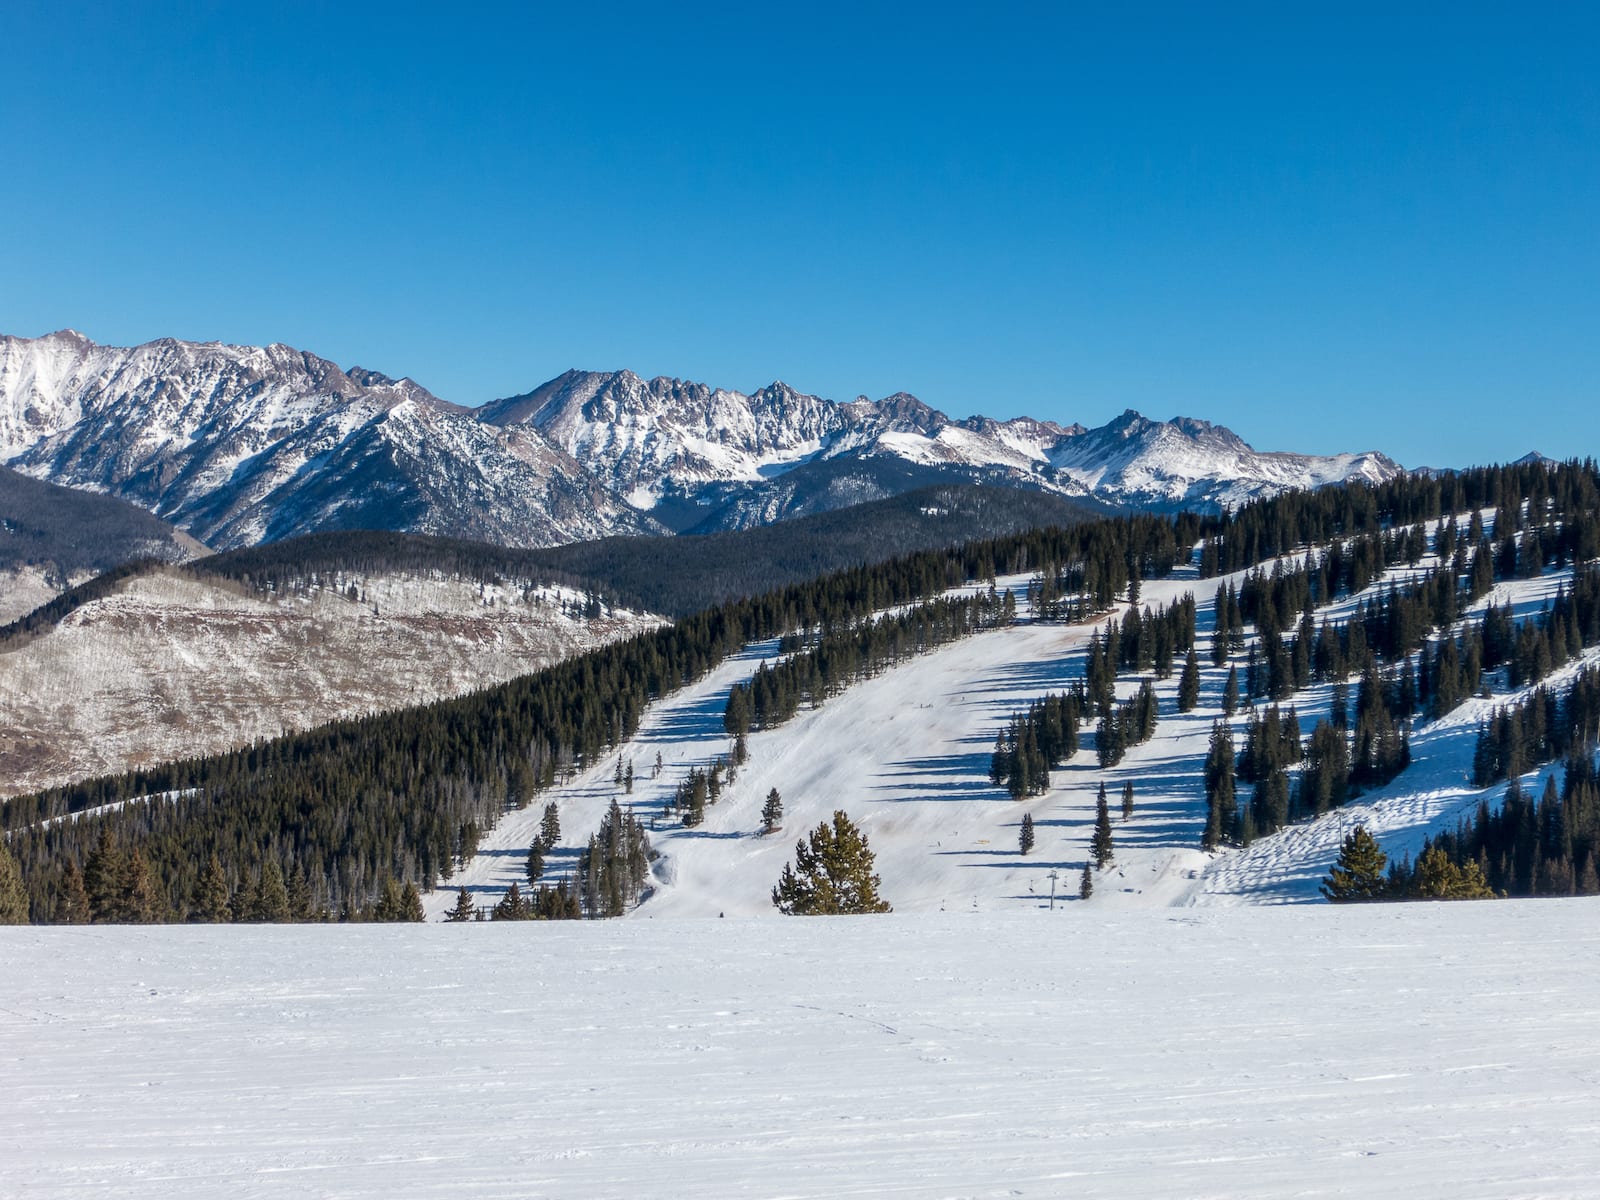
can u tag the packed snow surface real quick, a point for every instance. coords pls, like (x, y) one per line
(1416, 1050)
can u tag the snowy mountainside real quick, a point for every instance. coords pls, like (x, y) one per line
(172, 666)
(1187, 463)
(752, 458)
(907, 755)
(240, 444)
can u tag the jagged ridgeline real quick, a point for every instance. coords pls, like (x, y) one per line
(343, 811)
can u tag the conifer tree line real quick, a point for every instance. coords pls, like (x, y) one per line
(614, 866)
(1536, 846)
(1543, 726)
(1130, 723)
(1035, 742)
(1341, 761)
(703, 786)
(342, 810)
(1359, 877)
(836, 658)
(1561, 503)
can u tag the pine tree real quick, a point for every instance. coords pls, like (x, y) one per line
(72, 902)
(411, 903)
(1085, 883)
(140, 900)
(390, 904)
(1222, 808)
(1230, 693)
(1127, 800)
(1438, 878)
(464, 910)
(1189, 683)
(102, 878)
(772, 812)
(832, 874)
(13, 895)
(535, 865)
(550, 826)
(271, 901)
(1025, 837)
(210, 902)
(513, 907)
(1100, 844)
(1358, 875)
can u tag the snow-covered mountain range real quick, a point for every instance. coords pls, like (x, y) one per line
(241, 444)
(777, 452)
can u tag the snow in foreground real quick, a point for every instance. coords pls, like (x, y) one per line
(1418, 1050)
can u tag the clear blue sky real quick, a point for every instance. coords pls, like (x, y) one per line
(1348, 228)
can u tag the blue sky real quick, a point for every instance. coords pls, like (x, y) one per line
(1345, 228)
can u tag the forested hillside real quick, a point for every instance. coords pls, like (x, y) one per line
(53, 536)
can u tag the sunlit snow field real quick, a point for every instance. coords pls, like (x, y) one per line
(1418, 1050)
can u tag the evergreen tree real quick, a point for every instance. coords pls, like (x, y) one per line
(550, 826)
(1222, 808)
(1189, 683)
(411, 903)
(13, 895)
(1127, 800)
(102, 878)
(210, 902)
(832, 873)
(1358, 875)
(1100, 844)
(140, 901)
(1438, 878)
(72, 902)
(464, 910)
(1230, 693)
(1025, 836)
(1085, 883)
(772, 812)
(513, 907)
(391, 902)
(271, 901)
(535, 865)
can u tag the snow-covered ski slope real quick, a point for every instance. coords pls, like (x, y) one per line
(907, 754)
(1383, 1051)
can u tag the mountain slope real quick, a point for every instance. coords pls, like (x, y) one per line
(907, 754)
(174, 664)
(52, 537)
(241, 444)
